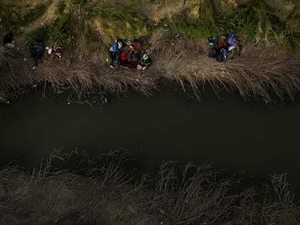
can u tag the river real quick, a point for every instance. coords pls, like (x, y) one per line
(232, 134)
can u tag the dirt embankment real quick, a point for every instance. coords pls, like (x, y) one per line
(261, 72)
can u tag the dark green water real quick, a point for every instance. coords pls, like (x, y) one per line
(230, 133)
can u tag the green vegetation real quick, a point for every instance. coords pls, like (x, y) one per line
(13, 17)
(73, 188)
(91, 27)
(257, 21)
(57, 32)
(81, 22)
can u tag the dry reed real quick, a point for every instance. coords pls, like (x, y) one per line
(260, 73)
(106, 195)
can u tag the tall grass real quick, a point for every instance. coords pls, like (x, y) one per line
(258, 74)
(74, 189)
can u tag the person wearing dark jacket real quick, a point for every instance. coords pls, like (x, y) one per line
(8, 41)
(37, 49)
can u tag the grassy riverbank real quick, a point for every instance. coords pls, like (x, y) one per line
(106, 192)
(268, 68)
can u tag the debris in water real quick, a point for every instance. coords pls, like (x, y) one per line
(25, 59)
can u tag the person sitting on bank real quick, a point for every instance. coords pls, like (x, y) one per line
(115, 51)
(233, 40)
(37, 49)
(133, 54)
(222, 42)
(145, 62)
(135, 51)
(213, 50)
(137, 45)
(8, 41)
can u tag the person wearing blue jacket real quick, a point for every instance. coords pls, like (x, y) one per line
(115, 51)
(233, 42)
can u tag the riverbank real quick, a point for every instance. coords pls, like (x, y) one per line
(264, 71)
(106, 192)
(260, 73)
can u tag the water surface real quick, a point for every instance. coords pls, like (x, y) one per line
(169, 126)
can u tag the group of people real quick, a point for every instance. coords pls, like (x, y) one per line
(222, 48)
(124, 53)
(129, 54)
(37, 48)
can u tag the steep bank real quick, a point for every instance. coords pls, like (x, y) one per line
(259, 73)
(265, 69)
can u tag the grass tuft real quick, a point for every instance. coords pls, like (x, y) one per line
(72, 188)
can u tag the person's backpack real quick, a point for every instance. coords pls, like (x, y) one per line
(134, 57)
(222, 56)
(123, 56)
(212, 53)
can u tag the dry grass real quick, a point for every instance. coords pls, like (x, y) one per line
(82, 79)
(260, 73)
(106, 195)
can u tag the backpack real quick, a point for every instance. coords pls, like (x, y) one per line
(212, 53)
(134, 57)
(222, 55)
